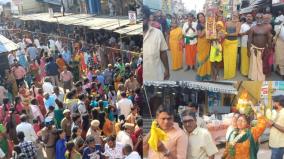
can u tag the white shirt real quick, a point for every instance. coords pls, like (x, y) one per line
(114, 153)
(58, 45)
(279, 18)
(36, 42)
(124, 138)
(11, 59)
(190, 32)
(281, 34)
(82, 108)
(28, 130)
(22, 45)
(36, 112)
(244, 39)
(124, 105)
(60, 97)
(153, 43)
(133, 155)
(201, 144)
(51, 44)
(47, 87)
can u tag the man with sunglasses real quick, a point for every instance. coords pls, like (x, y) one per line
(200, 142)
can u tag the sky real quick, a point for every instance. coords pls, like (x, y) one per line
(190, 4)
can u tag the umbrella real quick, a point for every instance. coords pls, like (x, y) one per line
(7, 45)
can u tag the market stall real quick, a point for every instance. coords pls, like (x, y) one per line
(6, 46)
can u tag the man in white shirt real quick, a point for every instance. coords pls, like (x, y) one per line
(36, 111)
(129, 153)
(155, 48)
(113, 149)
(81, 105)
(124, 105)
(193, 107)
(11, 58)
(47, 87)
(124, 136)
(244, 44)
(190, 40)
(201, 144)
(27, 129)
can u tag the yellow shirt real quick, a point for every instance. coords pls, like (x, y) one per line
(201, 144)
(176, 144)
(276, 138)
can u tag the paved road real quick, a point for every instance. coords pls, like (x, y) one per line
(190, 75)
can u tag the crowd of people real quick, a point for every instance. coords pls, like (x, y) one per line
(81, 104)
(249, 42)
(187, 136)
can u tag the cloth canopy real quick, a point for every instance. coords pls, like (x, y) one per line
(7, 45)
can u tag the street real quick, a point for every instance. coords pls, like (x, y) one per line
(182, 75)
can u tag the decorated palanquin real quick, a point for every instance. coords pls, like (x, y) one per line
(210, 26)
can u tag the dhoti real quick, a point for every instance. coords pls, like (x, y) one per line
(255, 67)
(279, 55)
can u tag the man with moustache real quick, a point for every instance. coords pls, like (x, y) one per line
(175, 147)
(200, 142)
(156, 65)
(259, 40)
(276, 138)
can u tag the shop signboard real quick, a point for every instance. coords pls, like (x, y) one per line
(132, 17)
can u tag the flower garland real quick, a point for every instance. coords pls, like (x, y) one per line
(232, 143)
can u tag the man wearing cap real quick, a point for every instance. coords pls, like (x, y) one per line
(124, 105)
(276, 138)
(95, 131)
(124, 136)
(27, 129)
(66, 123)
(49, 136)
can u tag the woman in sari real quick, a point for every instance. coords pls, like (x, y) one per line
(242, 143)
(175, 47)
(42, 63)
(11, 82)
(230, 46)
(203, 51)
(34, 71)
